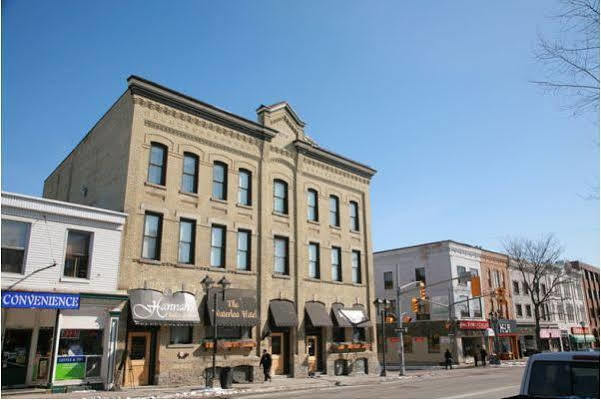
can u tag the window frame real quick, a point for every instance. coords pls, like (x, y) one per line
(516, 287)
(247, 190)
(356, 269)
(315, 207)
(334, 214)
(519, 312)
(90, 238)
(24, 249)
(158, 238)
(354, 219)
(317, 260)
(247, 252)
(192, 242)
(336, 267)
(284, 199)
(190, 332)
(386, 285)
(222, 251)
(286, 257)
(163, 166)
(194, 176)
(219, 164)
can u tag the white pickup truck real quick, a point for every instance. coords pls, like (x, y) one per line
(572, 374)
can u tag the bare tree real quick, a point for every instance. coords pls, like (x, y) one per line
(542, 272)
(571, 59)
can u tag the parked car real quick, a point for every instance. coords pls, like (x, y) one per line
(572, 374)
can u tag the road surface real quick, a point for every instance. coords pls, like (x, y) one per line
(462, 384)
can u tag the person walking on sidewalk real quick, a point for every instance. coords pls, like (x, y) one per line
(266, 363)
(483, 355)
(448, 360)
(475, 354)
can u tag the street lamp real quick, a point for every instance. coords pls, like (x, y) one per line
(207, 283)
(382, 305)
(583, 324)
(493, 321)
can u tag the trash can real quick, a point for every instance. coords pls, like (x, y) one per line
(226, 377)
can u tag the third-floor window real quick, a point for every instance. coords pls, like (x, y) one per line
(312, 209)
(280, 196)
(354, 214)
(334, 211)
(157, 164)
(190, 173)
(244, 187)
(219, 181)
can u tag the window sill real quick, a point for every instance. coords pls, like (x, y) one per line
(244, 206)
(309, 221)
(154, 185)
(149, 261)
(354, 232)
(313, 279)
(74, 280)
(280, 276)
(186, 266)
(181, 346)
(335, 227)
(12, 275)
(244, 272)
(279, 214)
(218, 200)
(191, 194)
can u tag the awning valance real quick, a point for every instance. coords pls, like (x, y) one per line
(235, 307)
(283, 313)
(153, 307)
(346, 317)
(317, 314)
(583, 338)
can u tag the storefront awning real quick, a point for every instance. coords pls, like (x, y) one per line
(317, 314)
(346, 317)
(283, 313)
(583, 338)
(235, 307)
(153, 307)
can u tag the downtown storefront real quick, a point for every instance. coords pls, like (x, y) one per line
(59, 340)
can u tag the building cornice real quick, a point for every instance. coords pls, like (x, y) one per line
(153, 91)
(334, 159)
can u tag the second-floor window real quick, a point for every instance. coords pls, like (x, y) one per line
(356, 266)
(281, 255)
(219, 180)
(14, 242)
(460, 272)
(243, 251)
(334, 211)
(314, 260)
(420, 274)
(218, 246)
(528, 310)
(336, 264)
(190, 173)
(525, 287)
(312, 209)
(280, 196)
(516, 287)
(187, 238)
(244, 187)
(354, 214)
(151, 246)
(518, 310)
(77, 257)
(157, 164)
(388, 283)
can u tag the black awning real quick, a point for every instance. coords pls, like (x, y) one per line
(350, 316)
(317, 314)
(340, 320)
(153, 307)
(235, 307)
(283, 313)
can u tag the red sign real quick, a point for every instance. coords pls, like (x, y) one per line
(394, 339)
(419, 339)
(578, 330)
(472, 325)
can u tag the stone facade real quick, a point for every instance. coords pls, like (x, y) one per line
(590, 284)
(110, 166)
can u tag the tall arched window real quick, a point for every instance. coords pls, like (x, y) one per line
(157, 164)
(280, 196)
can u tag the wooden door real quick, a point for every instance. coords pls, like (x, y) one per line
(138, 365)
(277, 353)
(312, 353)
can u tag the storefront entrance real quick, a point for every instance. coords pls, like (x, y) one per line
(313, 354)
(15, 356)
(138, 366)
(278, 353)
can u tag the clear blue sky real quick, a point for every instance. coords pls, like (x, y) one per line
(433, 94)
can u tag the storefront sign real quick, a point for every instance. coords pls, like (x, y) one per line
(70, 367)
(40, 300)
(419, 339)
(550, 333)
(471, 325)
(235, 307)
(152, 307)
(506, 326)
(578, 330)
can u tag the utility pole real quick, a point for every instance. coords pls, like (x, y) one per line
(400, 325)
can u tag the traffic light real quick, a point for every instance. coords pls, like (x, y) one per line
(407, 319)
(476, 290)
(422, 291)
(415, 305)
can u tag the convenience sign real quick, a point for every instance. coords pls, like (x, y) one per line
(40, 300)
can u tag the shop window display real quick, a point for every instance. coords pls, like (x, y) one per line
(79, 354)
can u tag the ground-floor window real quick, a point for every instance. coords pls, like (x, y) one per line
(358, 334)
(434, 343)
(338, 334)
(180, 335)
(230, 332)
(79, 354)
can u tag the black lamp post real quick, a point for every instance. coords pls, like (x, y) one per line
(382, 305)
(207, 283)
(583, 324)
(493, 321)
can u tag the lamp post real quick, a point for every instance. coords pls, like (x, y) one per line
(207, 284)
(583, 324)
(382, 305)
(493, 321)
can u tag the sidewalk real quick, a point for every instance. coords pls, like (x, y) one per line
(279, 384)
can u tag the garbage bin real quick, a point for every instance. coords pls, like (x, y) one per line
(226, 377)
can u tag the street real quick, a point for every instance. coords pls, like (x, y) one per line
(464, 383)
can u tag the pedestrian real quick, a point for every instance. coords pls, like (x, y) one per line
(266, 363)
(448, 360)
(474, 352)
(483, 355)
